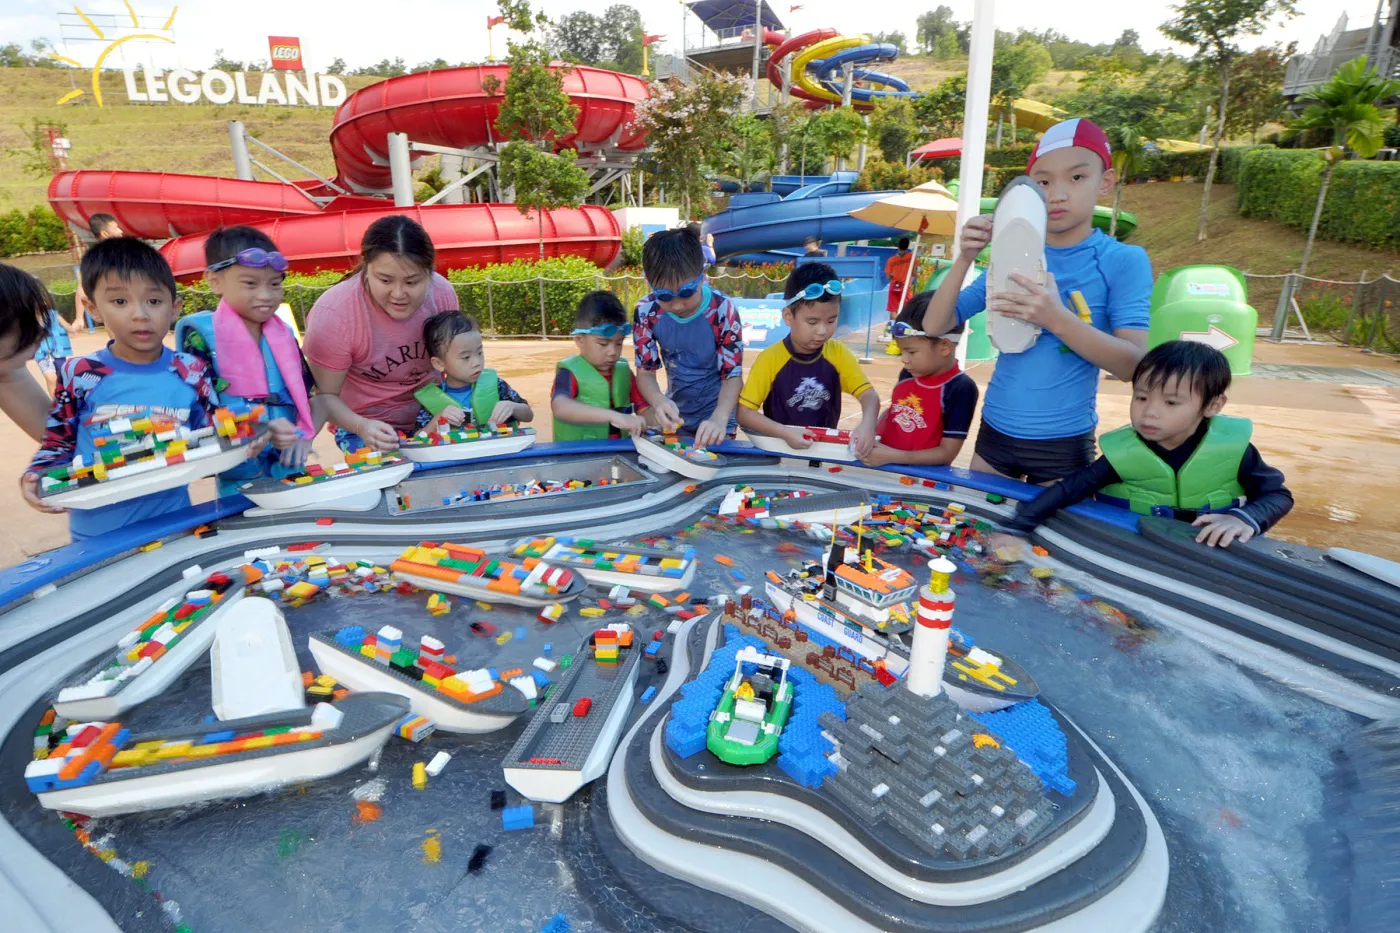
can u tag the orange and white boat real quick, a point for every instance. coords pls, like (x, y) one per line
(469, 571)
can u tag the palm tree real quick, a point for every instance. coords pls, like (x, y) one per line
(1346, 105)
(1128, 159)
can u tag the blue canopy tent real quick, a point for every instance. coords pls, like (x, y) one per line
(726, 17)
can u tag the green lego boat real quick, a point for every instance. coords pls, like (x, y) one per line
(752, 710)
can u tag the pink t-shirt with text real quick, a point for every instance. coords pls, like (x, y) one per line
(384, 360)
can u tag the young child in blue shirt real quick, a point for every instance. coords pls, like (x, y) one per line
(468, 392)
(131, 287)
(55, 347)
(1038, 415)
(252, 354)
(695, 332)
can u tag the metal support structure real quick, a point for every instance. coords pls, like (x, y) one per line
(1285, 303)
(453, 191)
(401, 169)
(757, 46)
(609, 176)
(295, 164)
(242, 162)
(860, 153)
(848, 70)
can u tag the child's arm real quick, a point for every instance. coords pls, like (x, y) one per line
(376, 434)
(511, 407)
(942, 455)
(731, 373)
(648, 358)
(73, 328)
(754, 420)
(713, 429)
(1267, 501)
(863, 437)
(942, 311)
(666, 412)
(1076, 487)
(567, 408)
(438, 404)
(59, 442)
(25, 401)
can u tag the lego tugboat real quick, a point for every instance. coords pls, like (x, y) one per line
(353, 485)
(752, 710)
(148, 658)
(637, 568)
(102, 769)
(572, 736)
(467, 571)
(671, 453)
(442, 443)
(827, 444)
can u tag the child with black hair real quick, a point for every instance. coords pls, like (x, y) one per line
(798, 382)
(467, 391)
(135, 375)
(931, 407)
(1180, 458)
(252, 353)
(24, 319)
(594, 395)
(695, 331)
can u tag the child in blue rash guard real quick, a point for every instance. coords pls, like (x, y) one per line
(1038, 414)
(135, 375)
(1180, 458)
(467, 393)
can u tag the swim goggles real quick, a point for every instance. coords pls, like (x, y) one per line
(685, 291)
(606, 331)
(903, 329)
(253, 258)
(814, 292)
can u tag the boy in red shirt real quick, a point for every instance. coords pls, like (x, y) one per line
(931, 408)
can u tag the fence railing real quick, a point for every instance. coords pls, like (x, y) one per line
(1364, 313)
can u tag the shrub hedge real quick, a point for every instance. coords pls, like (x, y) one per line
(39, 231)
(1363, 201)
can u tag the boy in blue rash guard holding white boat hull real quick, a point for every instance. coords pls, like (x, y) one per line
(1038, 414)
(1180, 458)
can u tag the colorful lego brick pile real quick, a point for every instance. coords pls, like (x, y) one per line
(828, 436)
(425, 665)
(146, 644)
(361, 461)
(534, 487)
(86, 750)
(894, 523)
(437, 436)
(581, 552)
(608, 642)
(128, 446)
(297, 582)
(470, 567)
(683, 447)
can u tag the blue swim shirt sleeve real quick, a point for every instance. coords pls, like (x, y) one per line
(1128, 271)
(973, 298)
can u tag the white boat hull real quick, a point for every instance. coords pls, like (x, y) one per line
(158, 676)
(975, 702)
(291, 498)
(664, 460)
(113, 491)
(252, 665)
(633, 581)
(1387, 571)
(818, 451)
(468, 450)
(215, 781)
(362, 676)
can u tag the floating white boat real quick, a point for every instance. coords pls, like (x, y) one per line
(252, 665)
(611, 565)
(148, 658)
(113, 772)
(355, 485)
(670, 453)
(560, 751)
(1387, 571)
(466, 444)
(827, 444)
(837, 508)
(1018, 245)
(468, 571)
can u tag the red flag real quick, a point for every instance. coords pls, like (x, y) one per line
(794, 8)
(494, 21)
(649, 39)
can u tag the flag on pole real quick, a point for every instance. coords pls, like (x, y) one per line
(649, 39)
(494, 21)
(794, 8)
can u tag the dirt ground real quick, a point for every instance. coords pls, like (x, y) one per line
(1329, 417)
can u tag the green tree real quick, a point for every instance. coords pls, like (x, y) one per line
(337, 67)
(577, 37)
(688, 127)
(838, 131)
(752, 153)
(13, 55)
(226, 64)
(1347, 108)
(384, 68)
(1256, 89)
(1016, 65)
(621, 28)
(939, 112)
(893, 128)
(939, 35)
(895, 39)
(35, 156)
(1214, 28)
(1129, 158)
(434, 65)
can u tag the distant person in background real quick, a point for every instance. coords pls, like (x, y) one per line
(897, 271)
(24, 316)
(102, 227)
(812, 246)
(55, 347)
(707, 242)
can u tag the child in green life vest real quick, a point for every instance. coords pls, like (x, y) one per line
(466, 392)
(1180, 458)
(595, 396)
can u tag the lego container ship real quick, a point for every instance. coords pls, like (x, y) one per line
(838, 508)
(655, 571)
(827, 444)
(353, 484)
(467, 571)
(444, 444)
(671, 453)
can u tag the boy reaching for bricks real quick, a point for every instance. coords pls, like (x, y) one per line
(133, 379)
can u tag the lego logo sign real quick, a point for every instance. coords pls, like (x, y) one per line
(286, 53)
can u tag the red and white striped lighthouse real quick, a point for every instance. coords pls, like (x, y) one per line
(935, 616)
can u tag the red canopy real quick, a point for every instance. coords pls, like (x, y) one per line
(938, 149)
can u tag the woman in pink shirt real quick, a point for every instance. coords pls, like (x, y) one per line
(364, 336)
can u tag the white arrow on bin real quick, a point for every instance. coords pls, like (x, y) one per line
(1215, 337)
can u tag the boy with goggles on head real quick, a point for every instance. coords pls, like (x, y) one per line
(798, 383)
(693, 331)
(594, 395)
(252, 353)
(931, 408)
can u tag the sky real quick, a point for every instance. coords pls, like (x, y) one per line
(422, 30)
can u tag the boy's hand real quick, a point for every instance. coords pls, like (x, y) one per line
(709, 432)
(452, 414)
(796, 437)
(863, 439)
(378, 435)
(503, 412)
(880, 455)
(976, 236)
(282, 433)
(632, 425)
(1041, 305)
(29, 488)
(1218, 529)
(998, 540)
(294, 456)
(668, 414)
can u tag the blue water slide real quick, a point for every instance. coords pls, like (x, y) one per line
(828, 72)
(785, 224)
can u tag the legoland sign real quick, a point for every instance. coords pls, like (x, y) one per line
(288, 89)
(285, 52)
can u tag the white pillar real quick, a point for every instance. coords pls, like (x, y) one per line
(757, 46)
(974, 132)
(242, 161)
(931, 629)
(401, 169)
(452, 166)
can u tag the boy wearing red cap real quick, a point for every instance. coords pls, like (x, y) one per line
(1038, 416)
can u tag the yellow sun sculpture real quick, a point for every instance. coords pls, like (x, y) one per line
(97, 66)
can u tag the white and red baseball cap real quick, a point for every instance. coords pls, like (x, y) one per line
(1086, 134)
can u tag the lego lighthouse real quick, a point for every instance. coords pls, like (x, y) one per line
(930, 649)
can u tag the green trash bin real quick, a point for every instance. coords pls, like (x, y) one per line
(979, 345)
(1207, 304)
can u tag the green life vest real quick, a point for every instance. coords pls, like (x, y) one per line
(593, 390)
(1208, 481)
(486, 395)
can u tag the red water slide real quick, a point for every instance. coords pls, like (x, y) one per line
(451, 107)
(785, 47)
